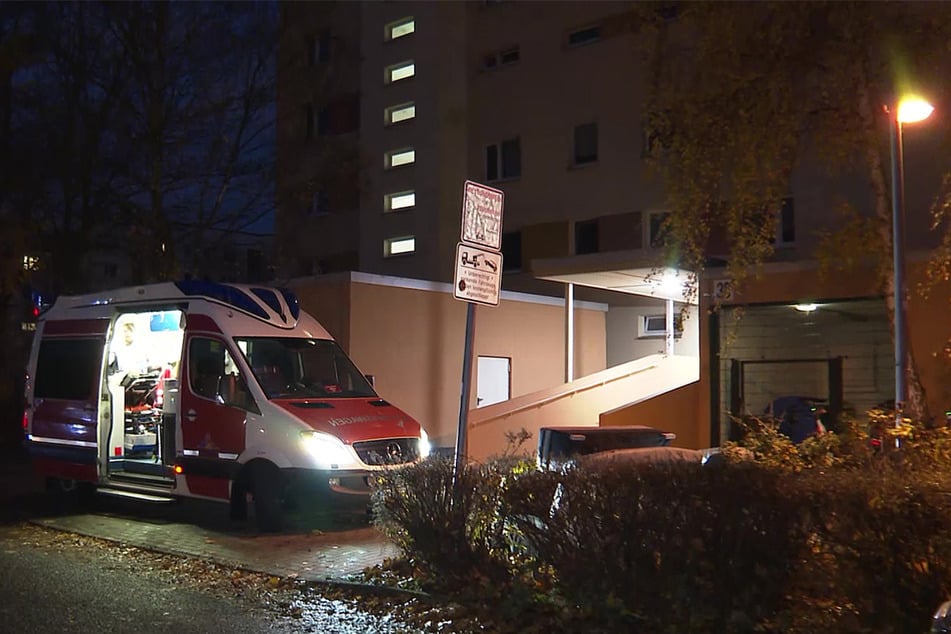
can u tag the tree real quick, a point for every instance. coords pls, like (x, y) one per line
(740, 96)
(198, 112)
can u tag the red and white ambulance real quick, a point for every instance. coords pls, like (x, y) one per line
(216, 391)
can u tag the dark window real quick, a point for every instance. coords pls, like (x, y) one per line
(512, 251)
(206, 365)
(584, 36)
(511, 158)
(319, 49)
(657, 229)
(586, 237)
(506, 57)
(110, 269)
(492, 162)
(505, 161)
(586, 143)
(323, 121)
(319, 203)
(68, 369)
(309, 122)
(510, 56)
(787, 226)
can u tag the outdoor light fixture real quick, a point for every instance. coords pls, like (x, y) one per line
(669, 282)
(913, 110)
(909, 110)
(806, 308)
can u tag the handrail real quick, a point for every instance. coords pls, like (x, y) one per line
(562, 395)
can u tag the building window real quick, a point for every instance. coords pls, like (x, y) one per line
(657, 229)
(586, 237)
(399, 246)
(786, 224)
(497, 59)
(398, 72)
(656, 326)
(503, 160)
(400, 113)
(512, 251)
(316, 121)
(584, 36)
(399, 201)
(400, 28)
(31, 263)
(398, 158)
(319, 49)
(309, 121)
(585, 144)
(319, 204)
(110, 270)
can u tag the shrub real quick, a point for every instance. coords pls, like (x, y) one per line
(452, 530)
(830, 535)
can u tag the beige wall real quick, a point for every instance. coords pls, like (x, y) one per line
(675, 411)
(412, 339)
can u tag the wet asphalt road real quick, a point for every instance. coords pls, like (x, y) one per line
(52, 581)
(51, 589)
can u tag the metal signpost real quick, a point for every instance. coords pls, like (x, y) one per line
(477, 279)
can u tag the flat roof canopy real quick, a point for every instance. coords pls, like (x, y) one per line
(630, 276)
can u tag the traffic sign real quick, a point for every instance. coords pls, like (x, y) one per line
(482, 215)
(478, 275)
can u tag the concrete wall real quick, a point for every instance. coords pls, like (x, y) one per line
(579, 403)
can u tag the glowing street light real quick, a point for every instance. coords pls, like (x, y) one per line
(909, 110)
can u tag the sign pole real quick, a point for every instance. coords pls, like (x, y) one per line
(466, 388)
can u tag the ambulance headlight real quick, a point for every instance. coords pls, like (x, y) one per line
(329, 452)
(424, 446)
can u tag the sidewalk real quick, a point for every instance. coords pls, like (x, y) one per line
(336, 549)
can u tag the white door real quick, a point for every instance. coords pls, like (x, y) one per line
(492, 380)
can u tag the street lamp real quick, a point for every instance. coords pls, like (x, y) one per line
(909, 110)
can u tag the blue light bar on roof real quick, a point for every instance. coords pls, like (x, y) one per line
(224, 293)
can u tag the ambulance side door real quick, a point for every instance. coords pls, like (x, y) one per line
(211, 403)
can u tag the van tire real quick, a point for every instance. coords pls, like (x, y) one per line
(70, 495)
(268, 489)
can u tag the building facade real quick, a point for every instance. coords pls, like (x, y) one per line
(385, 109)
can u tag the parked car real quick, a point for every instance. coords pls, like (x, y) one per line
(560, 445)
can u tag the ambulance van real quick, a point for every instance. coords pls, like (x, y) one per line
(203, 390)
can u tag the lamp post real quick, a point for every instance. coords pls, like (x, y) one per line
(909, 110)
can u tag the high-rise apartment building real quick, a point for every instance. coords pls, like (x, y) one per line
(385, 109)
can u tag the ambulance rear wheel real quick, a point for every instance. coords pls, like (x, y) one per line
(268, 489)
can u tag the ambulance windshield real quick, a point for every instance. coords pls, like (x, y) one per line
(303, 368)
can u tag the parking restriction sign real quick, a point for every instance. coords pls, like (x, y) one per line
(482, 216)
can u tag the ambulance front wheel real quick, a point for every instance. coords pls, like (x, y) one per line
(268, 491)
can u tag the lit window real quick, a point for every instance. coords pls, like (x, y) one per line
(403, 70)
(31, 263)
(399, 201)
(402, 112)
(397, 158)
(400, 28)
(399, 246)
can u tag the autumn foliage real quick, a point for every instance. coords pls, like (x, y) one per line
(832, 535)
